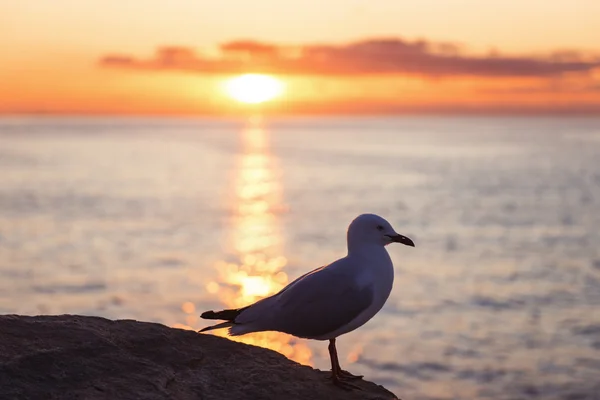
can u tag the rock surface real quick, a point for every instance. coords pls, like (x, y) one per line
(77, 357)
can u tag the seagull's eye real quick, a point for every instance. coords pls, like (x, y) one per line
(379, 227)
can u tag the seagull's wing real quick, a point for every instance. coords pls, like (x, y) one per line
(299, 279)
(314, 305)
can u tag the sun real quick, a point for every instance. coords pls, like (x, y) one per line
(253, 88)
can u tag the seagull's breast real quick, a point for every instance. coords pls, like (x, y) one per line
(376, 272)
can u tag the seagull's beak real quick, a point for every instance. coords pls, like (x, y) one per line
(401, 239)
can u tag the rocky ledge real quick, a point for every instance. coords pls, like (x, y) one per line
(77, 357)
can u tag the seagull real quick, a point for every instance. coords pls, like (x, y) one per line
(331, 300)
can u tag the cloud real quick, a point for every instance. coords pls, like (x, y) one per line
(589, 84)
(373, 56)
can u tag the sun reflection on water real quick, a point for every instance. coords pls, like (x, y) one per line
(257, 243)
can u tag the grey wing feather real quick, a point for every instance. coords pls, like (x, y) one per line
(319, 303)
(264, 307)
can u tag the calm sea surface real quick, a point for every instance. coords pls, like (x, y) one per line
(159, 220)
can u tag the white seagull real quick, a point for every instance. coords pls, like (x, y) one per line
(329, 301)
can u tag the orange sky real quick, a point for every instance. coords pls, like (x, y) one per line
(340, 56)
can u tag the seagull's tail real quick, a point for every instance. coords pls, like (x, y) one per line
(227, 315)
(225, 324)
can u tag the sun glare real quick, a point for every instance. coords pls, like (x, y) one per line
(254, 88)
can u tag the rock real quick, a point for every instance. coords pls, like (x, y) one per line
(77, 357)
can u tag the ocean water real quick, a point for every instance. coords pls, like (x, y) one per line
(160, 219)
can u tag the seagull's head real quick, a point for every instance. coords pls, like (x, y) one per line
(373, 229)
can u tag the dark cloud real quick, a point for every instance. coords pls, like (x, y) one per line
(376, 56)
(551, 87)
(250, 47)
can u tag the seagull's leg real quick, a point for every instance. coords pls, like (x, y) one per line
(336, 375)
(335, 366)
(341, 373)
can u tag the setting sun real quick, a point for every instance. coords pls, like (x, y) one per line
(254, 88)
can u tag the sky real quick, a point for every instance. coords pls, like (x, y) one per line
(150, 57)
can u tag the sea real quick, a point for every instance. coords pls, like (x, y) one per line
(159, 219)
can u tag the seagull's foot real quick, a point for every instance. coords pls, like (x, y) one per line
(337, 381)
(345, 385)
(347, 375)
